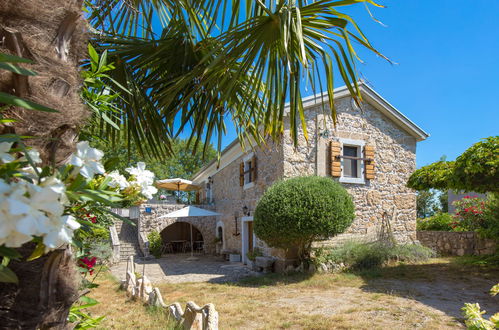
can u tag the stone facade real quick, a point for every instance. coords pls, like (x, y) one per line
(149, 221)
(382, 202)
(456, 243)
(395, 159)
(230, 198)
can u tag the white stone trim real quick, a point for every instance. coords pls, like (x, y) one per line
(244, 240)
(360, 165)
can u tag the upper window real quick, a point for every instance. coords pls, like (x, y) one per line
(247, 171)
(352, 162)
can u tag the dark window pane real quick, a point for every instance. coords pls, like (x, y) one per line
(350, 165)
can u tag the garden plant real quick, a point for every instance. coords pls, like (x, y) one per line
(295, 212)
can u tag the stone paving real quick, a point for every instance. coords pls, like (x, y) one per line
(176, 268)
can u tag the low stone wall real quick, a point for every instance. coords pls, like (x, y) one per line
(456, 243)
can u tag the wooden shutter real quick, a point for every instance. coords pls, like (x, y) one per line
(335, 152)
(253, 169)
(241, 174)
(369, 165)
(198, 197)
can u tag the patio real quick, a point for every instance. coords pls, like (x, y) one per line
(175, 268)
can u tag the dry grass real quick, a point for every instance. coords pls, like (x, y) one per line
(121, 312)
(400, 297)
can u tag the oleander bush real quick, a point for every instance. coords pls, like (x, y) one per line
(295, 212)
(355, 255)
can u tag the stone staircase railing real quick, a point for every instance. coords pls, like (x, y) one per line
(115, 243)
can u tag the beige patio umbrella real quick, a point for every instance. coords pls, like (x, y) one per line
(177, 184)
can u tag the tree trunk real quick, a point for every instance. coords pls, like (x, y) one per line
(52, 34)
(47, 288)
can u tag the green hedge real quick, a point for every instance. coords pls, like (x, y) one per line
(297, 211)
(439, 221)
(155, 244)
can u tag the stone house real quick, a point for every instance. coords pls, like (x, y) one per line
(371, 151)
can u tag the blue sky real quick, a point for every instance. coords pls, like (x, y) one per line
(446, 76)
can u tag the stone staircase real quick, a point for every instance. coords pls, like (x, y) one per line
(128, 236)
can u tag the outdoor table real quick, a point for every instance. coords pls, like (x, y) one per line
(179, 246)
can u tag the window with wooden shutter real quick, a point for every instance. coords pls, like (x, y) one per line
(248, 171)
(369, 163)
(335, 153)
(241, 174)
(253, 169)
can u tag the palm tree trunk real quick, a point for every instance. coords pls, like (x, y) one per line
(51, 33)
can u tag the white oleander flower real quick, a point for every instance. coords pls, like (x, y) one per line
(143, 178)
(28, 210)
(35, 156)
(118, 180)
(5, 157)
(87, 159)
(148, 191)
(60, 232)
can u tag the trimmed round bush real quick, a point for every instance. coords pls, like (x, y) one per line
(297, 211)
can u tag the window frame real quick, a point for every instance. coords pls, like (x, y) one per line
(359, 144)
(247, 171)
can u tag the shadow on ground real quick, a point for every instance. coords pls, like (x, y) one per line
(443, 286)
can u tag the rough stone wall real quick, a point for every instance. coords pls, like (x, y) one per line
(150, 221)
(395, 160)
(456, 243)
(230, 198)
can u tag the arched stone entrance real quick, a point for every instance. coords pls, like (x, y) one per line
(151, 219)
(177, 237)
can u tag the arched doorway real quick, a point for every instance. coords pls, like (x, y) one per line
(177, 238)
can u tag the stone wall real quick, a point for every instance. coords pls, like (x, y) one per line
(456, 243)
(395, 159)
(230, 198)
(150, 221)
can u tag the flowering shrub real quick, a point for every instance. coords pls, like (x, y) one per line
(47, 205)
(469, 214)
(87, 264)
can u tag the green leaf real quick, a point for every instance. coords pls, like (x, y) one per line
(37, 252)
(7, 275)
(13, 59)
(17, 69)
(17, 101)
(9, 252)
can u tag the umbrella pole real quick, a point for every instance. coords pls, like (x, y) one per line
(192, 247)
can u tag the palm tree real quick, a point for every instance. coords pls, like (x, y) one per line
(207, 66)
(212, 61)
(51, 34)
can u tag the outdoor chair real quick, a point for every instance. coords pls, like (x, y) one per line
(167, 248)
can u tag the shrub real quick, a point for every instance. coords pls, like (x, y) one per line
(439, 221)
(474, 315)
(470, 213)
(358, 255)
(297, 211)
(155, 244)
(491, 216)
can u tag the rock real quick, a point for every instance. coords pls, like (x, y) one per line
(265, 263)
(322, 268)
